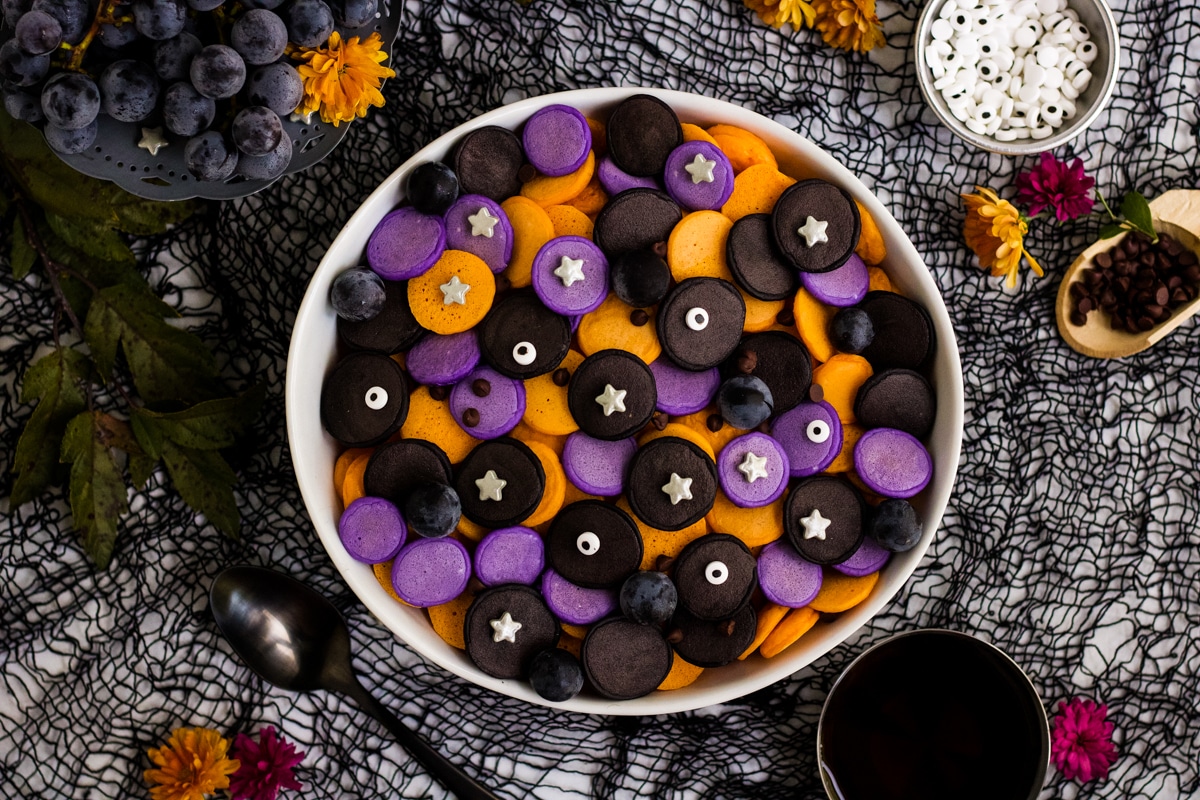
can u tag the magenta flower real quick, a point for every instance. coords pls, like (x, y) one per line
(1081, 741)
(266, 766)
(1052, 184)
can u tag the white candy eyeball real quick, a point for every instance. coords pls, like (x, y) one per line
(697, 319)
(376, 398)
(524, 353)
(716, 573)
(588, 543)
(817, 431)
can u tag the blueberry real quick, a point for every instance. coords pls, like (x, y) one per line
(895, 526)
(432, 187)
(432, 510)
(851, 330)
(556, 675)
(357, 294)
(745, 402)
(640, 278)
(649, 598)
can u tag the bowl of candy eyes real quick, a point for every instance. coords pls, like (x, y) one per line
(624, 401)
(1017, 76)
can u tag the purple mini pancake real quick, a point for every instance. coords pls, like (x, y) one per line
(892, 463)
(682, 391)
(405, 244)
(698, 176)
(753, 470)
(616, 180)
(557, 140)
(488, 235)
(811, 435)
(486, 404)
(510, 555)
(430, 572)
(570, 275)
(576, 605)
(843, 286)
(442, 360)
(786, 578)
(868, 558)
(372, 530)
(596, 466)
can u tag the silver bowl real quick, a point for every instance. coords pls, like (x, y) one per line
(1097, 16)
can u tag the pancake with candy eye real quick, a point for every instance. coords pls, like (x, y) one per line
(521, 338)
(594, 544)
(723, 311)
(364, 400)
(715, 576)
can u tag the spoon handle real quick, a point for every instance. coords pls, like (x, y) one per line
(445, 771)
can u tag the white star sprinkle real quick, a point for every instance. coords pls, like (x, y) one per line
(505, 628)
(570, 271)
(152, 140)
(815, 525)
(305, 118)
(483, 223)
(753, 467)
(678, 488)
(701, 169)
(491, 486)
(455, 291)
(612, 400)
(814, 231)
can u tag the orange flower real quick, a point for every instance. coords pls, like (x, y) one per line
(849, 24)
(342, 79)
(778, 13)
(191, 765)
(995, 231)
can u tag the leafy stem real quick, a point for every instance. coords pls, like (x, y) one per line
(105, 15)
(1135, 216)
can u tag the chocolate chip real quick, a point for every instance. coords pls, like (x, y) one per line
(503, 284)
(664, 563)
(727, 627)
(475, 586)
(1162, 295)
(816, 393)
(714, 422)
(747, 361)
(1085, 305)
(639, 317)
(470, 417)
(659, 421)
(675, 636)
(561, 376)
(786, 318)
(1104, 260)
(1078, 318)
(526, 173)
(439, 392)
(481, 387)
(660, 249)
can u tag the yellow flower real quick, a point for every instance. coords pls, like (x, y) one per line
(191, 765)
(995, 231)
(849, 24)
(778, 13)
(341, 80)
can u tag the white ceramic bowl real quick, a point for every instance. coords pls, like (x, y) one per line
(314, 349)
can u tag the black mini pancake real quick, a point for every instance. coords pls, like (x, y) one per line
(897, 398)
(712, 643)
(651, 470)
(823, 201)
(539, 630)
(636, 219)
(354, 382)
(703, 349)
(642, 131)
(520, 318)
(594, 564)
(839, 502)
(513, 462)
(641, 278)
(487, 161)
(904, 334)
(781, 361)
(755, 262)
(623, 371)
(397, 468)
(624, 660)
(393, 330)
(715, 576)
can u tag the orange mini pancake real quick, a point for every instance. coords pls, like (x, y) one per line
(678, 429)
(447, 619)
(546, 408)
(798, 622)
(352, 484)
(571, 644)
(841, 377)
(698, 421)
(574, 494)
(812, 322)
(841, 592)
(696, 247)
(845, 458)
(657, 543)
(547, 191)
(760, 314)
(870, 248)
(879, 281)
(570, 221)
(599, 136)
(682, 674)
(383, 574)
(343, 464)
(742, 147)
(428, 299)
(768, 617)
(470, 531)
(556, 486)
(694, 133)
(590, 200)
(433, 421)
(755, 191)
(527, 434)
(578, 631)
(609, 326)
(532, 228)
(754, 526)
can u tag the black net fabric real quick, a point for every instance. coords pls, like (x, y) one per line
(1071, 540)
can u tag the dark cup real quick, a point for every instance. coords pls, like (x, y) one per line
(933, 714)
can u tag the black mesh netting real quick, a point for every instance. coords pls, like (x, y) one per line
(1071, 540)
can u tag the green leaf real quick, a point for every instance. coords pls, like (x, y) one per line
(141, 467)
(1135, 209)
(98, 493)
(53, 380)
(148, 435)
(205, 482)
(166, 363)
(212, 425)
(1111, 229)
(23, 254)
(92, 239)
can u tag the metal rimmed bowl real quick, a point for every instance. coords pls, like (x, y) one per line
(1098, 18)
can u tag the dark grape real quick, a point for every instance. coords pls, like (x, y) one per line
(205, 5)
(895, 526)
(354, 13)
(186, 112)
(432, 510)
(71, 142)
(18, 68)
(556, 675)
(218, 71)
(257, 130)
(745, 401)
(432, 187)
(129, 90)
(117, 36)
(262, 3)
(73, 15)
(13, 9)
(267, 167)
(38, 33)
(309, 23)
(851, 330)
(23, 105)
(173, 56)
(260, 36)
(357, 294)
(649, 598)
(209, 158)
(159, 19)
(70, 100)
(279, 87)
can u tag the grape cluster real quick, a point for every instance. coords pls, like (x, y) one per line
(215, 75)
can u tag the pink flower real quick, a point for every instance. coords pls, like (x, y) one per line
(1053, 184)
(1081, 741)
(266, 766)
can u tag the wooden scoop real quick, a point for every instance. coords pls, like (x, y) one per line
(1176, 213)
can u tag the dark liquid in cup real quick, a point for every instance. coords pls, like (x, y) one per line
(931, 716)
